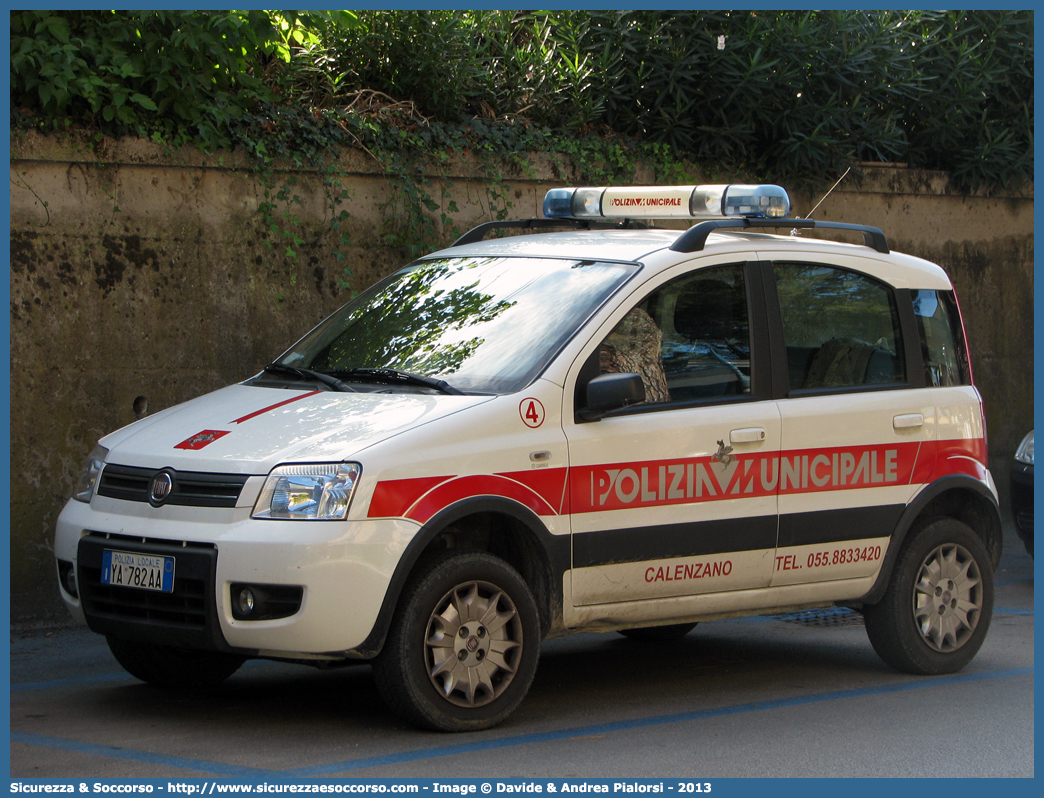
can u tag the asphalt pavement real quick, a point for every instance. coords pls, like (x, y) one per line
(801, 694)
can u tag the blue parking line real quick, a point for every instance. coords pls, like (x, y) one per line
(115, 752)
(1015, 580)
(1007, 611)
(102, 678)
(642, 723)
(514, 741)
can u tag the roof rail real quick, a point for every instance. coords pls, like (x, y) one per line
(693, 239)
(478, 233)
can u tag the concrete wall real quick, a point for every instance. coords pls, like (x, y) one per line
(143, 275)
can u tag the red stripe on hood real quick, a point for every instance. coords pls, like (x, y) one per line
(273, 407)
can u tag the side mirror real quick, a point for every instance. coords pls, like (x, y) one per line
(608, 392)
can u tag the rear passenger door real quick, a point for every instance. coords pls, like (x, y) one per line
(666, 497)
(853, 421)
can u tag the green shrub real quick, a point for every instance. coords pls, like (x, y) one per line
(182, 75)
(791, 96)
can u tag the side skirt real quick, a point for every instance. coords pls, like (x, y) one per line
(710, 606)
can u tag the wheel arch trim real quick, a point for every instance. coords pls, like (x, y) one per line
(985, 502)
(555, 548)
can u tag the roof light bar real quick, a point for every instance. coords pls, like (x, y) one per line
(643, 202)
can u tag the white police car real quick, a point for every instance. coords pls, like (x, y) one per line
(608, 428)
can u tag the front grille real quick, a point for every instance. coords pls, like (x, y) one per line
(190, 488)
(186, 617)
(186, 606)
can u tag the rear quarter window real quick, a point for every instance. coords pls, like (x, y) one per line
(942, 339)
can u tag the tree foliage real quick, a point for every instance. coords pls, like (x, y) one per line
(784, 95)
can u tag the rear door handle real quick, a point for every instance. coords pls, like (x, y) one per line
(908, 421)
(747, 435)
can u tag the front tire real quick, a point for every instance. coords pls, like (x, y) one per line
(463, 647)
(939, 602)
(165, 666)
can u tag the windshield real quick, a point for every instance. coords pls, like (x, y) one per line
(486, 325)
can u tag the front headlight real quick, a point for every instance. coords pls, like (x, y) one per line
(1024, 454)
(321, 492)
(89, 477)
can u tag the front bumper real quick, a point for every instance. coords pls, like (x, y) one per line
(343, 569)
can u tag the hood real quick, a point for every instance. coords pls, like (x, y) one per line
(247, 429)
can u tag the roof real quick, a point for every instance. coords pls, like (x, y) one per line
(613, 245)
(645, 245)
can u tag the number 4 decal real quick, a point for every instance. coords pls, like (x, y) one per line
(532, 412)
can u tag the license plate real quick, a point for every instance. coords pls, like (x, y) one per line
(135, 569)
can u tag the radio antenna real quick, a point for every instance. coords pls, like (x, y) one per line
(795, 231)
(838, 183)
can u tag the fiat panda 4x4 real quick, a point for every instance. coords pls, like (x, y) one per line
(609, 427)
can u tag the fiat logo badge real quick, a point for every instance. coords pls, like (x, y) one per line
(160, 488)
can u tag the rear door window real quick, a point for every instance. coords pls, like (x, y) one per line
(841, 328)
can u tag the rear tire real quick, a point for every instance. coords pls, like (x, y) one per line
(939, 602)
(164, 666)
(463, 646)
(659, 634)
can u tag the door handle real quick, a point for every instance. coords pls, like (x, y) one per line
(908, 421)
(747, 435)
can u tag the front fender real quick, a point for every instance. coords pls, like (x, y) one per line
(555, 548)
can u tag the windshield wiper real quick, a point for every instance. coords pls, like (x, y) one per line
(318, 376)
(394, 375)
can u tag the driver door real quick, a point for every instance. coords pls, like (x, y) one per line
(677, 496)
